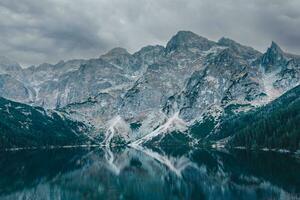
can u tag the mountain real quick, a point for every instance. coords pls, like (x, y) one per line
(272, 126)
(275, 125)
(10, 85)
(188, 86)
(8, 66)
(25, 126)
(12, 88)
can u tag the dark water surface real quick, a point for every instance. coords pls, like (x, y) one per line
(139, 173)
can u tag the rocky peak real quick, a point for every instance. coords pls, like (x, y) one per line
(244, 51)
(119, 57)
(188, 78)
(44, 67)
(7, 65)
(225, 57)
(149, 55)
(275, 48)
(274, 57)
(227, 42)
(188, 40)
(150, 48)
(116, 52)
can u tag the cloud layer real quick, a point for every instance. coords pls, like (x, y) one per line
(35, 31)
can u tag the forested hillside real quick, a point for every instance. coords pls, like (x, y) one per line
(276, 125)
(25, 126)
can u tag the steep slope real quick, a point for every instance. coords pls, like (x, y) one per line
(267, 77)
(24, 84)
(10, 86)
(281, 71)
(8, 66)
(16, 90)
(275, 125)
(192, 82)
(24, 126)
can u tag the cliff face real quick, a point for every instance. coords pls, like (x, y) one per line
(165, 88)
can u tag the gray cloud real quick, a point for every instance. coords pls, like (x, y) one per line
(34, 31)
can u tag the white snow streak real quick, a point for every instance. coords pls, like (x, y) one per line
(116, 126)
(173, 123)
(268, 81)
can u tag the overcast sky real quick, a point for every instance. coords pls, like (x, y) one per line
(37, 31)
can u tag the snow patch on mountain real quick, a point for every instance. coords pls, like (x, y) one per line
(163, 89)
(116, 127)
(174, 123)
(268, 83)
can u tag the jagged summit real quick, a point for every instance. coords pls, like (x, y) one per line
(150, 48)
(226, 41)
(187, 34)
(245, 51)
(120, 58)
(275, 47)
(193, 77)
(275, 50)
(6, 64)
(117, 51)
(273, 57)
(188, 39)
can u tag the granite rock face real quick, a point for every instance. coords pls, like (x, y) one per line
(159, 88)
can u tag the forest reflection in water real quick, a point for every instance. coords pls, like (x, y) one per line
(144, 173)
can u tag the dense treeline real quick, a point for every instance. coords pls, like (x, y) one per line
(276, 125)
(25, 126)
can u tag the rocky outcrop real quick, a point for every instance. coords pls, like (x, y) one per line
(192, 77)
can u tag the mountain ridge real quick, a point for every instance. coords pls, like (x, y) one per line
(188, 80)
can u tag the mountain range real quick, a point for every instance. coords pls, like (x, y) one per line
(193, 90)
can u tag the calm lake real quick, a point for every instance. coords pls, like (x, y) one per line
(140, 173)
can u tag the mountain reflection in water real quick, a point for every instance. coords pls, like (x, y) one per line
(141, 173)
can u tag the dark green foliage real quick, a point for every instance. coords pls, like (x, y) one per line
(135, 126)
(174, 143)
(21, 169)
(276, 125)
(174, 139)
(232, 109)
(206, 128)
(118, 140)
(203, 128)
(25, 126)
